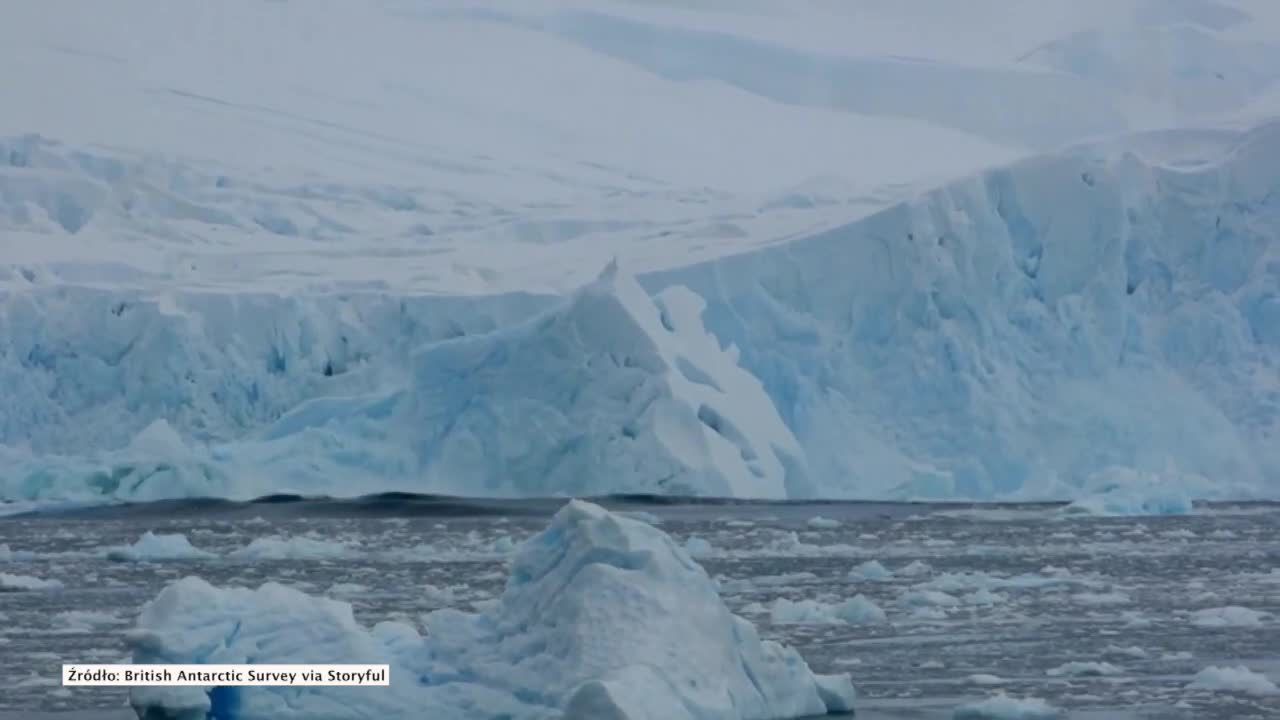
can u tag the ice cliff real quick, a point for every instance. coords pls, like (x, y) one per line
(603, 617)
(1108, 311)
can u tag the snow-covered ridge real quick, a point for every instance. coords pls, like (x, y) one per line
(1024, 332)
(602, 617)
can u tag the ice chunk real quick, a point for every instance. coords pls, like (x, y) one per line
(1233, 679)
(818, 522)
(153, 548)
(291, 548)
(1132, 651)
(7, 555)
(1083, 669)
(698, 547)
(1003, 707)
(870, 570)
(857, 610)
(602, 617)
(1124, 491)
(915, 568)
(1114, 597)
(929, 598)
(79, 621)
(19, 583)
(1229, 616)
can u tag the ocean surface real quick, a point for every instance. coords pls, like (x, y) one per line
(1104, 617)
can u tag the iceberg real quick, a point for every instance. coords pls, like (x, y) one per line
(1003, 707)
(22, 583)
(1239, 679)
(156, 548)
(603, 617)
(291, 548)
(857, 610)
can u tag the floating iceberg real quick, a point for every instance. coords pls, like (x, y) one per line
(857, 610)
(1233, 679)
(154, 548)
(870, 570)
(1003, 707)
(291, 548)
(1229, 616)
(22, 583)
(603, 618)
(7, 555)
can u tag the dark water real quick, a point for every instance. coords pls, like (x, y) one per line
(1028, 590)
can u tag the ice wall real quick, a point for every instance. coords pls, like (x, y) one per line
(1017, 334)
(1022, 330)
(607, 391)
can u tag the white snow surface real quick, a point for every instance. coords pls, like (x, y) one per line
(603, 617)
(900, 250)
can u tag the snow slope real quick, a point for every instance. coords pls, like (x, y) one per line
(603, 617)
(235, 261)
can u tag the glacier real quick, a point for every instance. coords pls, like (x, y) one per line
(603, 617)
(1025, 333)
(1035, 257)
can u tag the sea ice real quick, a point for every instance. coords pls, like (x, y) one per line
(870, 570)
(19, 583)
(7, 555)
(1003, 707)
(915, 568)
(1083, 669)
(603, 617)
(1229, 616)
(818, 522)
(291, 548)
(857, 610)
(928, 598)
(155, 548)
(1233, 679)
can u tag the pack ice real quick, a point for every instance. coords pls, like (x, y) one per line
(603, 617)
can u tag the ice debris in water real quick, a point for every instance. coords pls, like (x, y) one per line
(292, 548)
(1229, 616)
(7, 555)
(1124, 491)
(1233, 679)
(857, 610)
(1003, 707)
(603, 617)
(915, 568)
(20, 583)
(698, 547)
(153, 548)
(870, 570)
(1083, 669)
